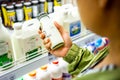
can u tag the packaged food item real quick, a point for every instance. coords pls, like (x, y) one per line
(27, 10)
(30, 76)
(48, 27)
(6, 50)
(35, 8)
(43, 73)
(72, 23)
(4, 13)
(19, 11)
(26, 43)
(11, 15)
(56, 71)
(33, 75)
(42, 6)
(50, 5)
(64, 67)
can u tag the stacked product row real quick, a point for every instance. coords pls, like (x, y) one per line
(22, 10)
(56, 70)
(24, 42)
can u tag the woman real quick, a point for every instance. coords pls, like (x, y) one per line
(101, 17)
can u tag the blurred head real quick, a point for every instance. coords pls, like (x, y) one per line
(101, 16)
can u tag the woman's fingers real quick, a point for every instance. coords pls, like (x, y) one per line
(46, 40)
(42, 35)
(48, 46)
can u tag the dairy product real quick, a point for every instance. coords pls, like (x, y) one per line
(50, 31)
(30, 76)
(43, 73)
(26, 44)
(56, 71)
(64, 67)
(67, 16)
(6, 51)
(72, 23)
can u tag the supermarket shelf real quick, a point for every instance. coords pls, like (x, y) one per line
(90, 37)
(23, 68)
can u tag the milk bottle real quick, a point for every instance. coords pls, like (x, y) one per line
(6, 51)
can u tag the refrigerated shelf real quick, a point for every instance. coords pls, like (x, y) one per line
(25, 67)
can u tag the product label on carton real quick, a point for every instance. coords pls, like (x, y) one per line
(31, 46)
(75, 28)
(4, 56)
(19, 14)
(50, 7)
(3, 47)
(11, 15)
(35, 11)
(28, 13)
(41, 7)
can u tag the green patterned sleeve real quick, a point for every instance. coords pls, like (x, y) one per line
(77, 58)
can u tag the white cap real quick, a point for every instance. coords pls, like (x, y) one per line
(27, 3)
(42, 0)
(17, 26)
(35, 1)
(18, 5)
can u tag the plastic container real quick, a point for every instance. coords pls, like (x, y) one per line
(50, 6)
(33, 75)
(56, 71)
(58, 15)
(64, 67)
(35, 8)
(50, 31)
(27, 10)
(11, 12)
(30, 76)
(72, 23)
(16, 41)
(42, 6)
(3, 13)
(26, 44)
(19, 11)
(6, 50)
(67, 16)
(11, 15)
(43, 73)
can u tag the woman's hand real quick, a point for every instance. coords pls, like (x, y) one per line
(62, 51)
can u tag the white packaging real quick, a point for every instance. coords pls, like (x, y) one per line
(26, 43)
(48, 27)
(68, 17)
(35, 8)
(30, 76)
(19, 12)
(33, 27)
(64, 67)
(6, 50)
(56, 71)
(43, 73)
(72, 24)
(16, 41)
(42, 5)
(50, 6)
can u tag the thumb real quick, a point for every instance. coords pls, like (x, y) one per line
(59, 27)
